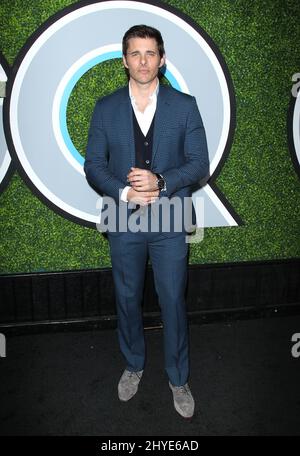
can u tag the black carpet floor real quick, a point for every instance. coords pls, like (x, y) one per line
(244, 379)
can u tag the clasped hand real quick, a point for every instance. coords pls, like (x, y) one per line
(143, 189)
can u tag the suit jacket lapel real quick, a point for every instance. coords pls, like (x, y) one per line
(161, 117)
(127, 121)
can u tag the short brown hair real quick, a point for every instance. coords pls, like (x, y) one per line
(143, 31)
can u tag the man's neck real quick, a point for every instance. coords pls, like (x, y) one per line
(142, 91)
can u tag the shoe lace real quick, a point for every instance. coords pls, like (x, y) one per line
(131, 374)
(184, 389)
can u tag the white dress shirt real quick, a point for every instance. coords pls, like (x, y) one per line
(144, 120)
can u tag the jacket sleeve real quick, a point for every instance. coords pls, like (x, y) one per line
(96, 160)
(196, 165)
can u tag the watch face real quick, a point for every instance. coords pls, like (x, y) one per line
(160, 184)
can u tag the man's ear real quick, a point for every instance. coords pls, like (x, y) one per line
(124, 61)
(162, 61)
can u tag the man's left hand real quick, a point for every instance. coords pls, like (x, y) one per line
(142, 180)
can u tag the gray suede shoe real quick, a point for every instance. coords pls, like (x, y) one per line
(183, 400)
(128, 384)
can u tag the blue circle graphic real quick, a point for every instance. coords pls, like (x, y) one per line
(70, 86)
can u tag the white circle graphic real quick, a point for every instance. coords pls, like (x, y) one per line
(5, 159)
(67, 48)
(296, 128)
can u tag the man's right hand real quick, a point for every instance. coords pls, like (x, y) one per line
(142, 198)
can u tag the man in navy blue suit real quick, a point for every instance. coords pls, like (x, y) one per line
(147, 144)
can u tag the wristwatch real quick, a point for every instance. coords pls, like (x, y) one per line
(161, 183)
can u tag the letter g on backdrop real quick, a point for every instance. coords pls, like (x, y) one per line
(6, 165)
(293, 123)
(67, 46)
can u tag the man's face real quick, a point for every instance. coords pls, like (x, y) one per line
(143, 60)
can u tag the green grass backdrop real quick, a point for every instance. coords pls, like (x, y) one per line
(260, 41)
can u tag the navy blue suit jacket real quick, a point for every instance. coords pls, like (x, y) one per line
(179, 143)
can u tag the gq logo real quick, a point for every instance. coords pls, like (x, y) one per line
(294, 122)
(65, 48)
(6, 166)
